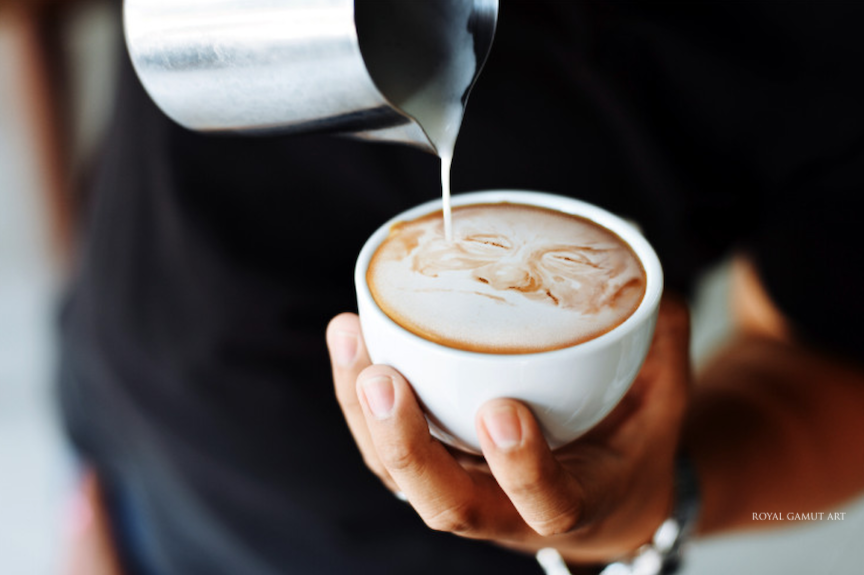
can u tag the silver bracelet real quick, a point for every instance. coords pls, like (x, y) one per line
(663, 555)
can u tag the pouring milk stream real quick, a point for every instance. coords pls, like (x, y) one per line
(429, 75)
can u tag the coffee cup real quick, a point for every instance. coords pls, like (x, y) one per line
(569, 389)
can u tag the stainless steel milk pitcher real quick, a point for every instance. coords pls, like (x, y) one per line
(296, 66)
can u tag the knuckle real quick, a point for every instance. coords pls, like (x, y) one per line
(459, 518)
(536, 482)
(531, 485)
(548, 506)
(560, 523)
(398, 457)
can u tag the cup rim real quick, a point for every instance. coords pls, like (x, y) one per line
(625, 230)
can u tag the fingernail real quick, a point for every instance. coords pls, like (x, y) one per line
(344, 348)
(379, 394)
(503, 426)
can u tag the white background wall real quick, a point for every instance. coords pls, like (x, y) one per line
(33, 464)
(37, 472)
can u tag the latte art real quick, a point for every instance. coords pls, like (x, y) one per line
(514, 279)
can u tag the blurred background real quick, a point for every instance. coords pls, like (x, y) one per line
(37, 212)
(37, 472)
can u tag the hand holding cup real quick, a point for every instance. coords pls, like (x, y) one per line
(594, 499)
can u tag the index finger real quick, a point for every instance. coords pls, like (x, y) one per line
(348, 357)
(445, 495)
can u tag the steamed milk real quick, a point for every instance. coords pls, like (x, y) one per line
(513, 279)
(421, 55)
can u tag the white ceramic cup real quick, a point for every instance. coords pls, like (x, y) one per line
(569, 390)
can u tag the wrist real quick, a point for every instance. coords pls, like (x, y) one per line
(663, 554)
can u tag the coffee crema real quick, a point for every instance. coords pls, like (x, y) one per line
(514, 279)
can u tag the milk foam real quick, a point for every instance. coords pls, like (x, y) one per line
(514, 279)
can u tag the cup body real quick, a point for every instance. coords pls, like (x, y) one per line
(569, 390)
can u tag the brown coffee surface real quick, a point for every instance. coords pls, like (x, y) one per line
(514, 279)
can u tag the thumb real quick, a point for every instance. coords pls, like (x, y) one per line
(549, 499)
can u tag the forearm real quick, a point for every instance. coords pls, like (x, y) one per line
(775, 428)
(36, 75)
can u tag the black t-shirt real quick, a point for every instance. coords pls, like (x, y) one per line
(195, 368)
